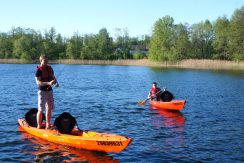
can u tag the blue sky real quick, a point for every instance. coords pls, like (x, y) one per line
(89, 16)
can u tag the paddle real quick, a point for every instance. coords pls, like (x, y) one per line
(144, 101)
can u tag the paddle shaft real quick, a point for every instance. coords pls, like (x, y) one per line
(144, 101)
(155, 94)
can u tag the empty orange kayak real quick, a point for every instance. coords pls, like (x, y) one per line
(172, 105)
(89, 140)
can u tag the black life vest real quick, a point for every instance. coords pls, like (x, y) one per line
(65, 123)
(47, 73)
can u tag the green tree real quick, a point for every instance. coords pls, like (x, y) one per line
(105, 44)
(50, 35)
(221, 40)
(24, 48)
(70, 50)
(162, 40)
(6, 46)
(182, 44)
(48, 43)
(90, 47)
(60, 47)
(237, 34)
(122, 44)
(74, 46)
(16, 33)
(202, 37)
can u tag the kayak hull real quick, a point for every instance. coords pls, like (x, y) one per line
(172, 105)
(89, 140)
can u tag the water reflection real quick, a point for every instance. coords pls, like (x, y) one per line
(171, 126)
(172, 118)
(51, 152)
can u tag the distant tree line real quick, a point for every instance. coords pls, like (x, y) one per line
(28, 44)
(222, 39)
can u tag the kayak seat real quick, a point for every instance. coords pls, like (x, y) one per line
(30, 117)
(166, 96)
(65, 123)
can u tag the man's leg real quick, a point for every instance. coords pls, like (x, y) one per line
(48, 117)
(49, 108)
(41, 102)
(39, 118)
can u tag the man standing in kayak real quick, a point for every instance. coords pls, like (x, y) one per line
(45, 79)
(153, 93)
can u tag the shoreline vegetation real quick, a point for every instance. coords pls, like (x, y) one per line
(184, 64)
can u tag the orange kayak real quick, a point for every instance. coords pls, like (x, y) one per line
(89, 140)
(68, 154)
(172, 105)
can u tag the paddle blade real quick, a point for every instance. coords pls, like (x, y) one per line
(142, 102)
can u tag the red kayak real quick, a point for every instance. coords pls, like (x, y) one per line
(172, 105)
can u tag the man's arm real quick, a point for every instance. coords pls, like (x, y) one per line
(56, 81)
(40, 83)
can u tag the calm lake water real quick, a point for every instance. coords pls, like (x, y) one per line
(103, 98)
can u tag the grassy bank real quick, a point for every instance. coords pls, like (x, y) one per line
(189, 63)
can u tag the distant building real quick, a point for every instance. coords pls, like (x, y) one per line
(138, 48)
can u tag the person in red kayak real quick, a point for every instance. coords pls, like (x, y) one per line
(45, 79)
(154, 92)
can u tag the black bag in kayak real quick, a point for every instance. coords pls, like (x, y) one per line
(30, 117)
(65, 123)
(166, 96)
